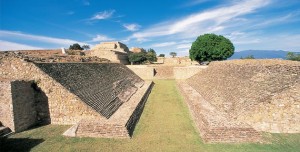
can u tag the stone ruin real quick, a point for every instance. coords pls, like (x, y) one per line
(99, 99)
(136, 50)
(234, 101)
(114, 51)
(51, 56)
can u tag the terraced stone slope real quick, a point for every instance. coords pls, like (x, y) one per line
(262, 93)
(104, 87)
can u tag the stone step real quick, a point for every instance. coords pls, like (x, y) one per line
(4, 131)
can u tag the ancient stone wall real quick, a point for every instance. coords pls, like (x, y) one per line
(113, 56)
(104, 87)
(186, 72)
(120, 125)
(165, 72)
(24, 112)
(135, 116)
(280, 114)
(176, 61)
(17, 105)
(213, 124)
(142, 71)
(6, 106)
(116, 52)
(261, 93)
(64, 106)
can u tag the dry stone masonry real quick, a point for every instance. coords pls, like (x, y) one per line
(69, 93)
(114, 51)
(101, 86)
(261, 93)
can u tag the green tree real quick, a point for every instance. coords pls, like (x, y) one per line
(151, 55)
(211, 47)
(161, 55)
(86, 47)
(293, 56)
(75, 46)
(137, 57)
(173, 54)
(248, 57)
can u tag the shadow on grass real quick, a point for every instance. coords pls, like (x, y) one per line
(18, 144)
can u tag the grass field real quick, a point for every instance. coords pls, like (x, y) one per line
(165, 125)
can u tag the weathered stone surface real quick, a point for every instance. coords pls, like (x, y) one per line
(113, 51)
(104, 87)
(215, 125)
(114, 46)
(50, 57)
(181, 73)
(148, 72)
(143, 71)
(17, 106)
(6, 106)
(64, 106)
(176, 61)
(120, 125)
(68, 93)
(262, 93)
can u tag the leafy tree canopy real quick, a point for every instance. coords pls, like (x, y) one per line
(173, 54)
(293, 56)
(151, 55)
(75, 46)
(161, 55)
(86, 47)
(137, 57)
(211, 47)
(248, 57)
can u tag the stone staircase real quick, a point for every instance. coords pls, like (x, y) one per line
(4, 131)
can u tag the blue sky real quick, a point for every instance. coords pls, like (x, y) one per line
(164, 25)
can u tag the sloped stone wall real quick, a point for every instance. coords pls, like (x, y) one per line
(120, 125)
(104, 87)
(262, 93)
(186, 72)
(148, 72)
(213, 124)
(64, 107)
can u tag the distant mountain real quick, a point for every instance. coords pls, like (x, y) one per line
(260, 54)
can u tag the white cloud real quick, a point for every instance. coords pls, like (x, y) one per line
(100, 38)
(163, 44)
(195, 2)
(132, 27)
(209, 21)
(51, 40)
(278, 41)
(184, 46)
(279, 20)
(103, 15)
(7, 46)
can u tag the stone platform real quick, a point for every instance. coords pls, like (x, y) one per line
(213, 124)
(120, 125)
